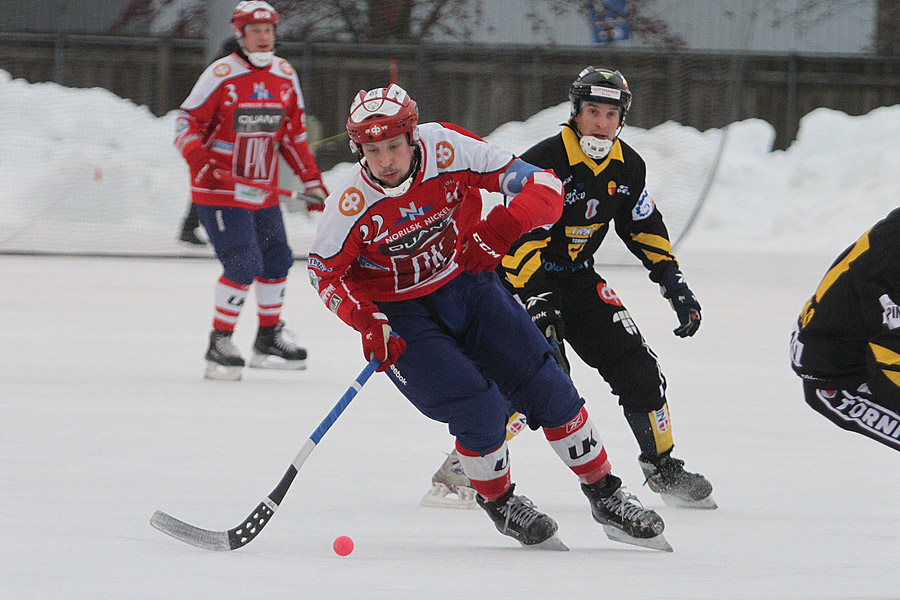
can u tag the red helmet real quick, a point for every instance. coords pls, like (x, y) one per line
(381, 114)
(252, 11)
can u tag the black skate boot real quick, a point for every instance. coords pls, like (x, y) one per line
(517, 517)
(666, 476)
(189, 227)
(623, 517)
(223, 361)
(274, 349)
(450, 488)
(189, 236)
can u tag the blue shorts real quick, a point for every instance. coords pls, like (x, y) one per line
(472, 356)
(248, 243)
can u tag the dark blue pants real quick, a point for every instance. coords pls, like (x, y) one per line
(248, 243)
(472, 355)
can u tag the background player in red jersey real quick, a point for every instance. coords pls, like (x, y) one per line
(244, 111)
(402, 248)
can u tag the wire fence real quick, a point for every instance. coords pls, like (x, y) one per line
(133, 202)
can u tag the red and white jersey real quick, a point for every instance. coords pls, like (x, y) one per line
(370, 247)
(244, 116)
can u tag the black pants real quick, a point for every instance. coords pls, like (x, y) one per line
(855, 410)
(600, 330)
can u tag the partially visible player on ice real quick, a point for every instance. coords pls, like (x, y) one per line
(245, 110)
(846, 344)
(551, 271)
(403, 256)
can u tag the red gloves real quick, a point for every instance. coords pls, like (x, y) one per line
(377, 340)
(203, 162)
(318, 192)
(486, 244)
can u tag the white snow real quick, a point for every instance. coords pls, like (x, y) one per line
(106, 417)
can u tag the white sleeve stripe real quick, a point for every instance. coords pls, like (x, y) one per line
(549, 180)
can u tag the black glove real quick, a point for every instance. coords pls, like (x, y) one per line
(683, 301)
(549, 320)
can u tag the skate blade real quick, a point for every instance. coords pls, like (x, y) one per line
(551, 543)
(267, 361)
(441, 496)
(706, 503)
(656, 543)
(222, 372)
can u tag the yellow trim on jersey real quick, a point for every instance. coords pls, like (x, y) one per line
(861, 245)
(893, 376)
(887, 357)
(524, 262)
(576, 154)
(656, 242)
(579, 235)
(859, 248)
(884, 355)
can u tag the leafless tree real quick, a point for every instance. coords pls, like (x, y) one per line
(398, 21)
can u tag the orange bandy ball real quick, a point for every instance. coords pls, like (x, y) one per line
(343, 545)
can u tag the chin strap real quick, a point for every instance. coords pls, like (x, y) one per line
(260, 59)
(393, 192)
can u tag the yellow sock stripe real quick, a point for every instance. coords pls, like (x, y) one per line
(515, 425)
(662, 429)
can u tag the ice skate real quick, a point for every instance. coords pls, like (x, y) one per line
(623, 517)
(450, 488)
(516, 517)
(274, 348)
(223, 361)
(666, 476)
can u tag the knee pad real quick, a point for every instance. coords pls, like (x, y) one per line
(242, 264)
(277, 261)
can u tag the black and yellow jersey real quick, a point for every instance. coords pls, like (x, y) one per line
(598, 195)
(849, 331)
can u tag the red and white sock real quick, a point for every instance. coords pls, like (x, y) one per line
(230, 297)
(489, 474)
(270, 296)
(580, 448)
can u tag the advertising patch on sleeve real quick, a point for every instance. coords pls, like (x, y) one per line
(644, 207)
(351, 202)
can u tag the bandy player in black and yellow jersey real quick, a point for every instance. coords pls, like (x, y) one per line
(846, 345)
(552, 271)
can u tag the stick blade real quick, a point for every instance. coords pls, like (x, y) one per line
(195, 536)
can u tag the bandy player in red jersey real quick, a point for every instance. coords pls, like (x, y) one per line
(402, 249)
(245, 110)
